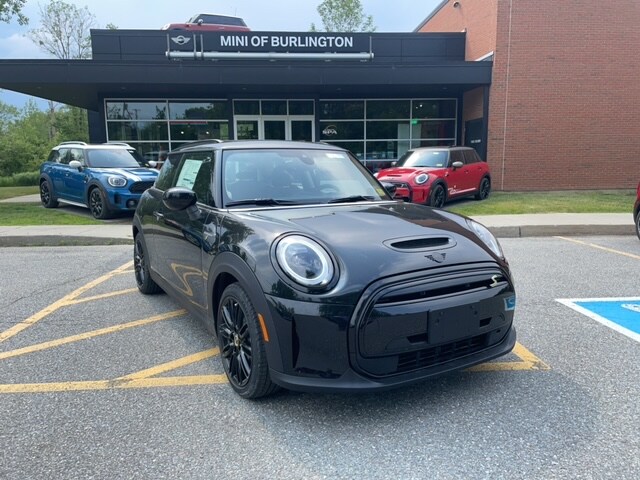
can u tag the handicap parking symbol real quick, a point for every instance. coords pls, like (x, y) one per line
(619, 314)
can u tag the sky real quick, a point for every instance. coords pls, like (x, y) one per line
(259, 15)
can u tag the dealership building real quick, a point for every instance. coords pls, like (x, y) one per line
(544, 91)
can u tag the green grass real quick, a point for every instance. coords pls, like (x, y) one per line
(10, 192)
(504, 203)
(13, 214)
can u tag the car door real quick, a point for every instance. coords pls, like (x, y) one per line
(58, 172)
(74, 179)
(183, 237)
(457, 178)
(477, 168)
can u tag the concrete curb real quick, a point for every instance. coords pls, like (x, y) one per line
(60, 241)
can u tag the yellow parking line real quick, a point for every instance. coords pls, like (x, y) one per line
(528, 362)
(166, 367)
(17, 328)
(593, 245)
(94, 333)
(99, 297)
(113, 384)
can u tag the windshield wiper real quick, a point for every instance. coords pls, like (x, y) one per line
(352, 198)
(260, 201)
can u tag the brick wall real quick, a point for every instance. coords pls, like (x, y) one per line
(565, 94)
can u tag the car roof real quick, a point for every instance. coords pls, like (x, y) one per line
(92, 146)
(255, 144)
(457, 147)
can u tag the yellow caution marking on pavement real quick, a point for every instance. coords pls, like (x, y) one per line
(94, 333)
(599, 247)
(17, 328)
(104, 295)
(167, 367)
(528, 362)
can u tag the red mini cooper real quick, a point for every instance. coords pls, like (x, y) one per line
(636, 211)
(434, 175)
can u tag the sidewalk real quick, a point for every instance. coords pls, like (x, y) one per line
(503, 226)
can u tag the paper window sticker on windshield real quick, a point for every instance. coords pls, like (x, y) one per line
(334, 155)
(188, 173)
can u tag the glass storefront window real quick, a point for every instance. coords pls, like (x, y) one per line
(330, 131)
(386, 150)
(136, 110)
(137, 131)
(246, 107)
(434, 129)
(341, 109)
(390, 130)
(434, 108)
(199, 110)
(300, 107)
(181, 131)
(445, 142)
(393, 109)
(274, 107)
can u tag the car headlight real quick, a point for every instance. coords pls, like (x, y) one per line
(421, 178)
(304, 261)
(486, 236)
(117, 181)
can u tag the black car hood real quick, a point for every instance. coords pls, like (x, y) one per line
(373, 240)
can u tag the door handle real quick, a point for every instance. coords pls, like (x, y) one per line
(159, 216)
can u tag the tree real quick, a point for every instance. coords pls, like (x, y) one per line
(10, 8)
(64, 30)
(344, 16)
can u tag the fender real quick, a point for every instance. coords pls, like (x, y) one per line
(232, 264)
(94, 182)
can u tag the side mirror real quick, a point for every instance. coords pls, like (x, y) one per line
(152, 164)
(180, 198)
(200, 21)
(393, 164)
(457, 165)
(390, 188)
(75, 164)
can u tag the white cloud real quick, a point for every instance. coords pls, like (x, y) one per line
(19, 46)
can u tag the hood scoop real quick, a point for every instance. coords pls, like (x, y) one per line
(420, 244)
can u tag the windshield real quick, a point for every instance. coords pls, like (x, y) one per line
(295, 176)
(424, 158)
(111, 158)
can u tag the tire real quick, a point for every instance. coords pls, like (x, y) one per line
(144, 281)
(242, 350)
(638, 224)
(438, 196)
(484, 189)
(46, 195)
(98, 204)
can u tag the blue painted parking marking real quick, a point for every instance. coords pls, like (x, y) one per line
(619, 314)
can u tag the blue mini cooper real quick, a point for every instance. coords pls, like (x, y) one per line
(106, 178)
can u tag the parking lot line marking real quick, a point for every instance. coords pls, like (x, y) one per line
(17, 328)
(94, 333)
(113, 384)
(172, 365)
(606, 249)
(528, 362)
(104, 295)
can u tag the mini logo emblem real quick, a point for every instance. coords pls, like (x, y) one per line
(437, 257)
(494, 281)
(180, 39)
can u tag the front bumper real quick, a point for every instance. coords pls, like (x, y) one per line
(402, 330)
(408, 193)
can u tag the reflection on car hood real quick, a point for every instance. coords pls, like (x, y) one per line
(136, 174)
(405, 172)
(361, 235)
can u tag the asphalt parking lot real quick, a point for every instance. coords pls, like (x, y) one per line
(98, 381)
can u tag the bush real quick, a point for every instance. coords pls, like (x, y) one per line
(24, 179)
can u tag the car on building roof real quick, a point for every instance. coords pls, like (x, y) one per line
(311, 276)
(210, 22)
(636, 211)
(106, 178)
(435, 175)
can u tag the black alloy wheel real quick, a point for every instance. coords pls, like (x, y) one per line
(98, 204)
(144, 281)
(46, 197)
(438, 196)
(241, 349)
(638, 224)
(484, 189)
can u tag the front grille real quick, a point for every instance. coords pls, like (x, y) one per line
(440, 354)
(426, 322)
(140, 187)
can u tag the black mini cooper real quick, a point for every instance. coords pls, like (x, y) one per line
(312, 277)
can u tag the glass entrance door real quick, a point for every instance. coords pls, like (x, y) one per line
(275, 127)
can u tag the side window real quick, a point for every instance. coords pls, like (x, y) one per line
(456, 156)
(63, 156)
(54, 156)
(168, 172)
(195, 173)
(77, 155)
(471, 156)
